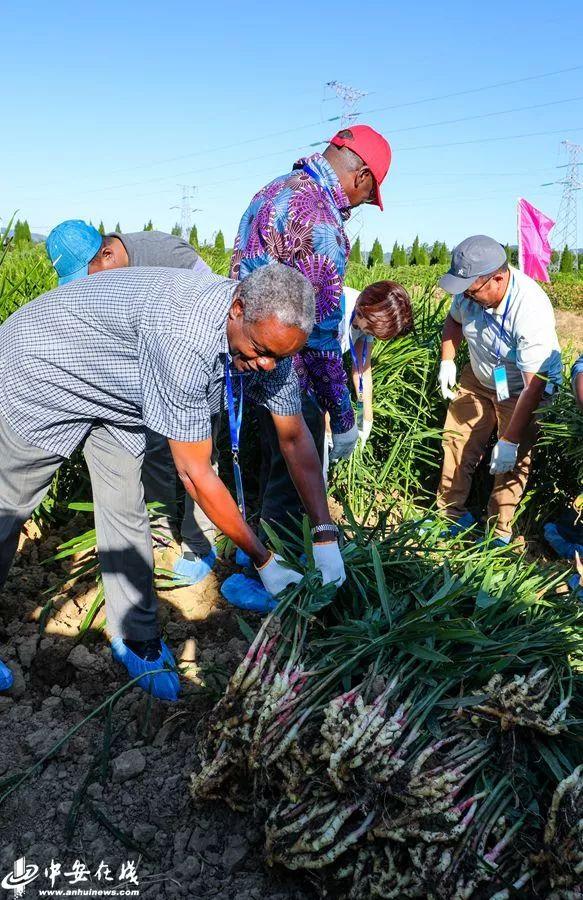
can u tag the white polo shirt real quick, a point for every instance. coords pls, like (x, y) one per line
(345, 329)
(521, 331)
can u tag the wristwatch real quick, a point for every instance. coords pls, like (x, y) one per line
(318, 529)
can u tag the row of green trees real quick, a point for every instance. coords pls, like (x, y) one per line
(438, 254)
(418, 254)
(218, 243)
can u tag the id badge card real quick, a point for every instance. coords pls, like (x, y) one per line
(359, 412)
(501, 382)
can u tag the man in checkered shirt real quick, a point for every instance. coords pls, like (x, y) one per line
(96, 361)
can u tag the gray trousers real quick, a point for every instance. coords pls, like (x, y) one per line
(159, 478)
(124, 541)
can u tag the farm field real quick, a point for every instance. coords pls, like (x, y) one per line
(469, 659)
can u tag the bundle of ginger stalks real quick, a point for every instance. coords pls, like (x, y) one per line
(417, 734)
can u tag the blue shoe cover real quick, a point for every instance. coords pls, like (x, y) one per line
(242, 559)
(495, 542)
(563, 548)
(194, 570)
(425, 527)
(164, 685)
(6, 678)
(247, 593)
(575, 585)
(462, 524)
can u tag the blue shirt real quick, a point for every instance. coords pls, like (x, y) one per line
(577, 370)
(128, 348)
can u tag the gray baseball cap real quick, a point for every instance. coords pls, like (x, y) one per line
(477, 255)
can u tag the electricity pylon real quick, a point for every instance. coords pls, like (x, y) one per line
(349, 97)
(186, 209)
(565, 232)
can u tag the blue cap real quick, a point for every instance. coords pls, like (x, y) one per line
(71, 246)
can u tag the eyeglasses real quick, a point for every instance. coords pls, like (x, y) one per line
(471, 295)
(372, 197)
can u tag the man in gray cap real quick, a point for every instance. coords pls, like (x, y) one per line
(515, 362)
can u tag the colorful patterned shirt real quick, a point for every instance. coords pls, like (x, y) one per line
(298, 220)
(577, 369)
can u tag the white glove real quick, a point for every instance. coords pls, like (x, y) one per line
(364, 432)
(447, 378)
(328, 559)
(504, 457)
(343, 444)
(276, 577)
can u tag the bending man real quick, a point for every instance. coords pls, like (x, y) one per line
(515, 362)
(97, 361)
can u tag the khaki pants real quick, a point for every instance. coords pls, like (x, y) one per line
(471, 419)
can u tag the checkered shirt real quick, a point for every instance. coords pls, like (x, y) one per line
(128, 348)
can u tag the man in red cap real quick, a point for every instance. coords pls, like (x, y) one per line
(298, 219)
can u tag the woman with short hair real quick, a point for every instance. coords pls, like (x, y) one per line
(382, 311)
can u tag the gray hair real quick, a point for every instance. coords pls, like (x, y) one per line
(277, 290)
(350, 160)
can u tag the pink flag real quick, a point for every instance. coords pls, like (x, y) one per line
(534, 249)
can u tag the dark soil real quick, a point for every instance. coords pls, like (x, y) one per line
(133, 798)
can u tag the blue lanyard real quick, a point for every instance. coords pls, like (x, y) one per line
(358, 364)
(502, 322)
(235, 419)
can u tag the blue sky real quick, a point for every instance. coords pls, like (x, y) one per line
(108, 109)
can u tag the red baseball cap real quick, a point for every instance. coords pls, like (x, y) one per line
(372, 148)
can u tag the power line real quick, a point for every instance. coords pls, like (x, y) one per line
(408, 103)
(433, 99)
(223, 165)
(486, 87)
(502, 112)
(491, 140)
(202, 186)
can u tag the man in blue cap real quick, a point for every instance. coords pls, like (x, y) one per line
(515, 362)
(76, 250)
